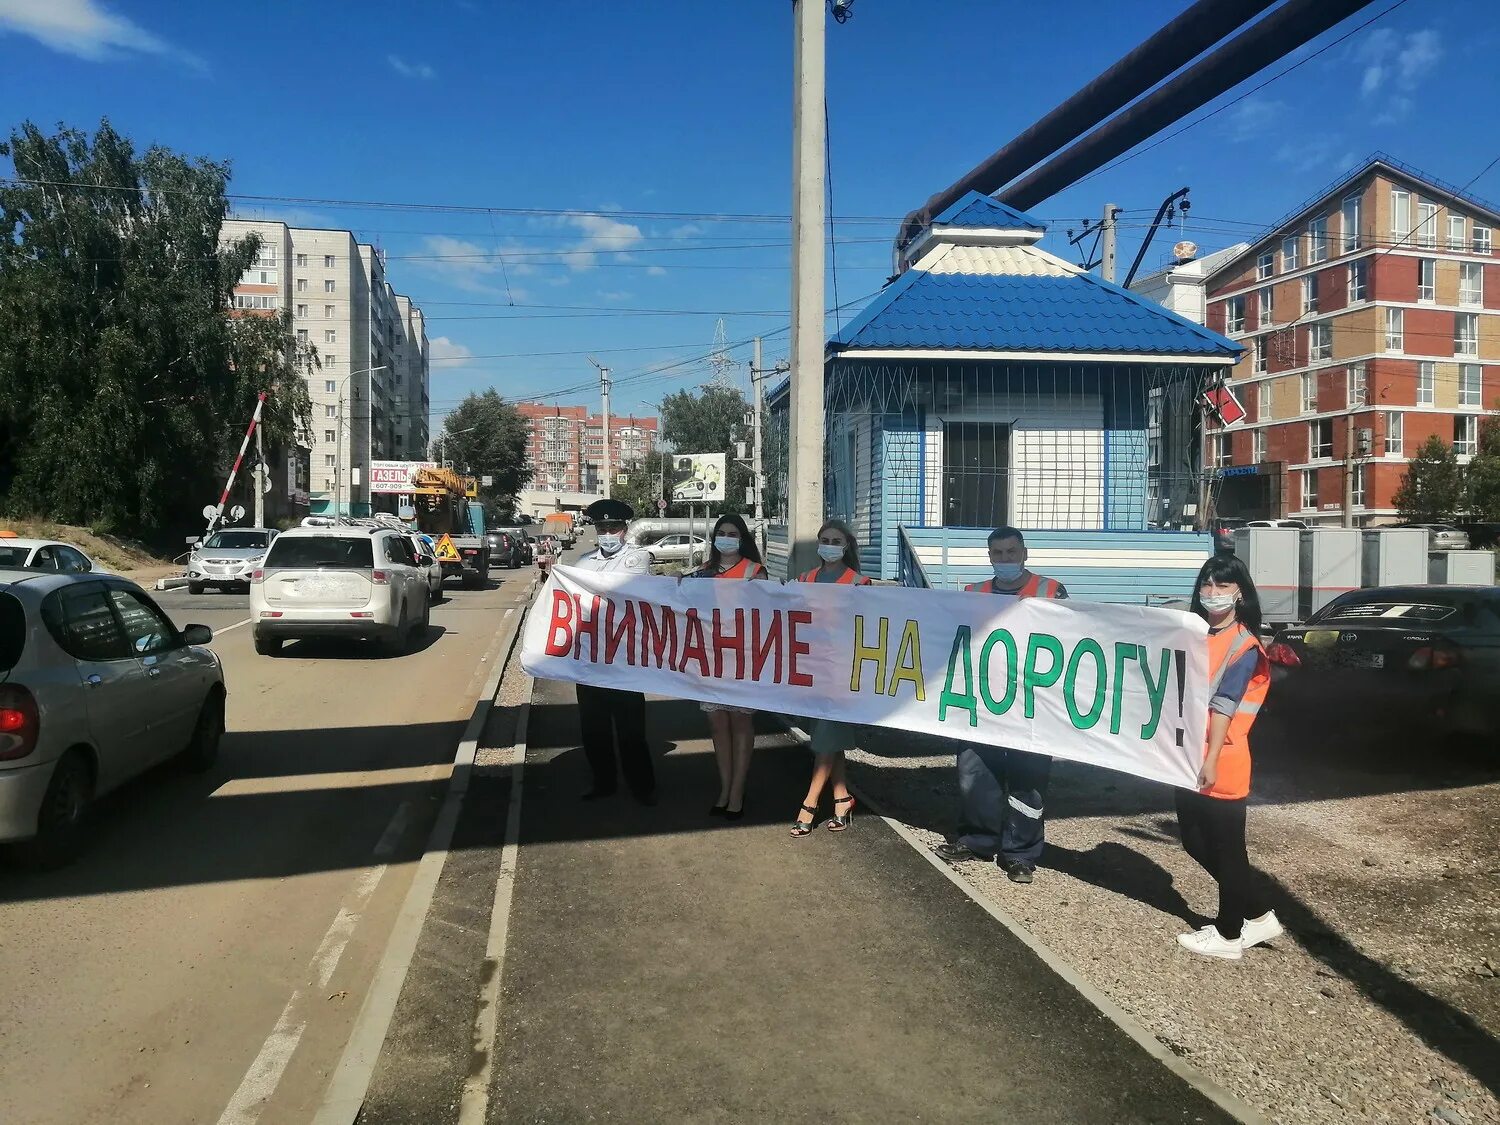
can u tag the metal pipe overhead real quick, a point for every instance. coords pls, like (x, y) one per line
(1274, 37)
(1183, 38)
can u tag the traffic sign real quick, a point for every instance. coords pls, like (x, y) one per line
(445, 550)
(661, 505)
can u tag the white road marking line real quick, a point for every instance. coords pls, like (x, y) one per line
(265, 1072)
(326, 960)
(474, 1104)
(392, 834)
(236, 625)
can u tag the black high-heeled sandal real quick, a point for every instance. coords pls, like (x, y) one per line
(718, 810)
(839, 823)
(799, 829)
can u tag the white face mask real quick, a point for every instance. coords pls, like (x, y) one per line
(610, 542)
(830, 552)
(727, 544)
(1218, 603)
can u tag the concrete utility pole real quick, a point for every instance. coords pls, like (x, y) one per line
(260, 479)
(1107, 229)
(805, 475)
(604, 392)
(758, 394)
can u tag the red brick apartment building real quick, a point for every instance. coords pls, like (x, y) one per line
(1371, 319)
(565, 448)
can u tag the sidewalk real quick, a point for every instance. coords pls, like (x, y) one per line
(665, 966)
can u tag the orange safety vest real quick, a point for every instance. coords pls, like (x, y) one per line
(850, 577)
(1233, 780)
(1034, 587)
(742, 569)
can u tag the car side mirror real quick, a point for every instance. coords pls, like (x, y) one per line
(197, 635)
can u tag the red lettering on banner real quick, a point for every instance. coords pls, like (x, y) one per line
(732, 642)
(693, 647)
(560, 630)
(626, 633)
(797, 648)
(658, 637)
(587, 627)
(764, 645)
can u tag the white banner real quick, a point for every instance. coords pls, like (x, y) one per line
(1122, 687)
(394, 477)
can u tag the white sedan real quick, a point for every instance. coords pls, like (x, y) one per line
(44, 554)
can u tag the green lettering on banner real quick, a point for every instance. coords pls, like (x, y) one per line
(1084, 720)
(1004, 703)
(908, 667)
(865, 653)
(1156, 690)
(1123, 651)
(962, 700)
(1035, 677)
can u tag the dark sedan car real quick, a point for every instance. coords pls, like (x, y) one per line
(1406, 659)
(505, 549)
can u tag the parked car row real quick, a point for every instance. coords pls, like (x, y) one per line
(43, 554)
(510, 547)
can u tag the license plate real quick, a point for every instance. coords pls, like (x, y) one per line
(1363, 659)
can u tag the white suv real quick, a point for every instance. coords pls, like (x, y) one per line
(346, 581)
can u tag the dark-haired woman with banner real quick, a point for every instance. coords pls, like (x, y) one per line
(838, 552)
(1212, 820)
(732, 554)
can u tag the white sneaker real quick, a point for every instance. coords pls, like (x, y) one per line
(1259, 930)
(1208, 942)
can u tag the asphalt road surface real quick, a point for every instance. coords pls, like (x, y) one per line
(204, 961)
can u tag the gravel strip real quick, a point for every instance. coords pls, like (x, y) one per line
(1381, 1005)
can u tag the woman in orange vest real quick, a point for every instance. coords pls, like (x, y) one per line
(1212, 820)
(732, 554)
(838, 552)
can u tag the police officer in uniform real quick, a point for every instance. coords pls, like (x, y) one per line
(609, 716)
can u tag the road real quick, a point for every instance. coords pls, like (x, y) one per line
(204, 961)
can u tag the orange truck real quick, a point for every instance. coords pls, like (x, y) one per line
(560, 524)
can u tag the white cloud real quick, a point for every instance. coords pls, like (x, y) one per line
(410, 70)
(467, 266)
(452, 354)
(1254, 117)
(655, 271)
(1310, 155)
(601, 235)
(1393, 60)
(615, 295)
(85, 29)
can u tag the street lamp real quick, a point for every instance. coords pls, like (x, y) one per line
(338, 445)
(443, 442)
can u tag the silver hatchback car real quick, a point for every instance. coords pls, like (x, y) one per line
(96, 686)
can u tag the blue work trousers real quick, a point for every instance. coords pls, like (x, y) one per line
(1002, 795)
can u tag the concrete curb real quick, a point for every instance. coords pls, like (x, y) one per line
(171, 583)
(1230, 1103)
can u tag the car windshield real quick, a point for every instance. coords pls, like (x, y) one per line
(12, 632)
(1426, 607)
(345, 551)
(237, 540)
(14, 556)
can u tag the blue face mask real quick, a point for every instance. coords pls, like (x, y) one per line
(1008, 572)
(727, 544)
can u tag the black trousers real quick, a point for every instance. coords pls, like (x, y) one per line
(1002, 794)
(1213, 833)
(608, 715)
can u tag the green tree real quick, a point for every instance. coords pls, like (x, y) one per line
(1483, 476)
(701, 423)
(643, 485)
(1432, 490)
(125, 382)
(486, 436)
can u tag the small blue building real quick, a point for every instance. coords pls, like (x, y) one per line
(992, 383)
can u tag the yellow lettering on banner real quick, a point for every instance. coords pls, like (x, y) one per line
(445, 550)
(864, 653)
(908, 667)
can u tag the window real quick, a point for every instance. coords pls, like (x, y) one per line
(1357, 486)
(1309, 393)
(1355, 385)
(302, 310)
(1470, 283)
(330, 357)
(1470, 384)
(1234, 315)
(1263, 402)
(1309, 294)
(1317, 240)
(1465, 435)
(146, 630)
(1319, 342)
(330, 336)
(330, 411)
(81, 621)
(302, 285)
(302, 335)
(255, 301)
(1309, 490)
(330, 436)
(328, 261)
(329, 386)
(1258, 446)
(327, 312)
(1395, 330)
(1395, 432)
(1223, 451)
(1359, 281)
(1289, 251)
(1465, 333)
(266, 257)
(1260, 355)
(1400, 214)
(1265, 265)
(1426, 279)
(1320, 440)
(330, 286)
(1267, 306)
(1481, 239)
(1351, 218)
(328, 460)
(1426, 224)
(1426, 383)
(1456, 232)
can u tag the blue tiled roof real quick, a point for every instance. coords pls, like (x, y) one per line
(983, 312)
(975, 210)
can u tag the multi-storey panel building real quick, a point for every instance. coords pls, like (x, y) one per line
(565, 448)
(1371, 322)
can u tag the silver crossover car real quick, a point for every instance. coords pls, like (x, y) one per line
(227, 557)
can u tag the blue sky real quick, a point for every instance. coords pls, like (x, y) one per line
(668, 113)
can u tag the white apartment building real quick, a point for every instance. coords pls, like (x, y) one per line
(370, 388)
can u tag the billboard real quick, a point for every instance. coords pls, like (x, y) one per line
(391, 477)
(697, 478)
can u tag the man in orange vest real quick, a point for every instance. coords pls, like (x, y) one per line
(1001, 791)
